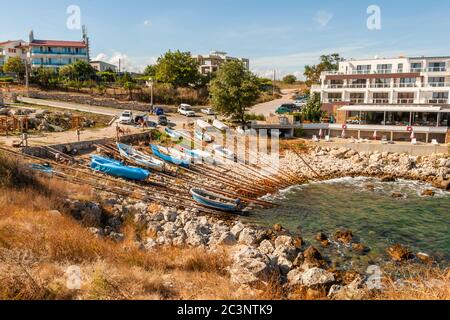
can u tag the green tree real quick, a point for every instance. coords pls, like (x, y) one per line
(313, 109)
(327, 63)
(177, 68)
(290, 79)
(234, 90)
(15, 65)
(150, 70)
(45, 77)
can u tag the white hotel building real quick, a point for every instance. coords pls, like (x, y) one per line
(390, 96)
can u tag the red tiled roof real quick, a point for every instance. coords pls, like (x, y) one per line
(8, 42)
(57, 43)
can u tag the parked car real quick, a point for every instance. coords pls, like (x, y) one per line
(159, 111)
(286, 108)
(126, 117)
(209, 111)
(186, 110)
(163, 121)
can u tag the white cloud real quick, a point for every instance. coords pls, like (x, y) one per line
(132, 64)
(147, 23)
(323, 18)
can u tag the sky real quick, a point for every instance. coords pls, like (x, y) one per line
(283, 35)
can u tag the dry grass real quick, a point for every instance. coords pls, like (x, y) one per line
(37, 246)
(420, 283)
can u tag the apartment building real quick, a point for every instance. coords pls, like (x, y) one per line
(56, 53)
(102, 66)
(211, 63)
(390, 96)
(10, 49)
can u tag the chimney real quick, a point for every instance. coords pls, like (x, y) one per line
(31, 36)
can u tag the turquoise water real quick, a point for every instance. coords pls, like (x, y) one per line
(366, 207)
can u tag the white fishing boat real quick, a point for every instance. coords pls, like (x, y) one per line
(222, 152)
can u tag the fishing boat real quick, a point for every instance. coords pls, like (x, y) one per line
(171, 155)
(199, 155)
(118, 169)
(140, 158)
(223, 152)
(42, 168)
(203, 136)
(175, 135)
(215, 201)
(220, 125)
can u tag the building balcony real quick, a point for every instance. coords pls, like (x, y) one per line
(380, 85)
(405, 85)
(436, 69)
(438, 84)
(63, 53)
(332, 100)
(380, 101)
(357, 101)
(46, 63)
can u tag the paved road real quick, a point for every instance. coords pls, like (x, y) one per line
(270, 107)
(176, 119)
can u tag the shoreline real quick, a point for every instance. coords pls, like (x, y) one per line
(258, 253)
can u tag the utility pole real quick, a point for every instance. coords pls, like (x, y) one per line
(119, 65)
(273, 83)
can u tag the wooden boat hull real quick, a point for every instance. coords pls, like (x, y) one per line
(179, 161)
(211, 200)
(118, 169)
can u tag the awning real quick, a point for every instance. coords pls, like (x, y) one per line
(379, 108)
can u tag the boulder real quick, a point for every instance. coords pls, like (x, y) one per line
(360, 248)
(248, 271)
(226, 239)
(287, 251)
(283, 241)
(424, 258)
(294, 277)
(196, 234)
(344, 237)
(266, 247)
(317, 277)
(248, 236)
(278, 227)
(428, 193)
(237, 229)
(285, 264)
(312, 258)
(399, 253)
(388, 179)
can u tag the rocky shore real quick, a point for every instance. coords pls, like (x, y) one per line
(262, 256)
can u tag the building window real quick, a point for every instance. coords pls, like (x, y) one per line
(363, 69)
(416, 67)
(384, 68)
(400, 68)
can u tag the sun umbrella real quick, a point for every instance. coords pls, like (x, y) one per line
(343, 134)
(375, 135)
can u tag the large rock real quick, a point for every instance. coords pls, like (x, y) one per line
(196, 234)
(313, 258)
(285, 250)
(226, 239)
(266, 247)
(399, 253)
(248, 236)
(237, 229)
(283, 241)
(344, 237)
(317, 277)
(294, 277)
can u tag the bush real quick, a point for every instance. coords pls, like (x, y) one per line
(6, 79)
(255, 117)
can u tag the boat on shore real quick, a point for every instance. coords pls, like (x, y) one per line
(118, 169)
(224, 153)
(171, 155)
(175, 135)
(215, 201)
(140, 158)
(220, 126)
(199, 155)
(203, 136)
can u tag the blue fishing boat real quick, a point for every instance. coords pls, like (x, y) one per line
(118, 169)
(140, 158)
(215, 201)
(171, 155)
(42, 168)
(175, 135)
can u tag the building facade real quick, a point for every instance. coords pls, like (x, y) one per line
(11, 49)
(102, 66)
(390, 96)
(56, 53)
(211, 63)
